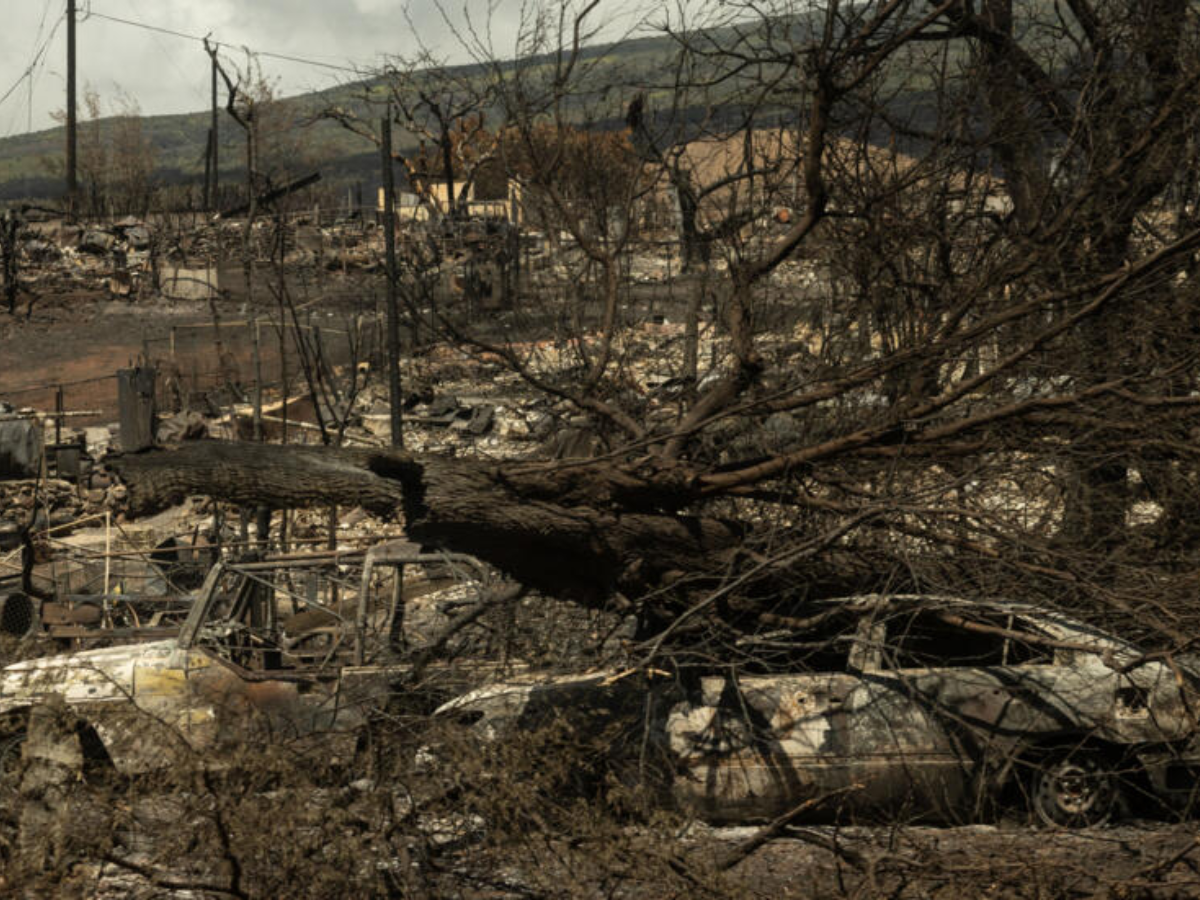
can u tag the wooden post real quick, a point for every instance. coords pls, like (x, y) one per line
(258, 376)
(208, 150)
(58, 409)
(214, 134)
(72, 183)
(393, 313)
(107, 553)
(135, 401)
(285, 388)
(691, 340)
(333, 526)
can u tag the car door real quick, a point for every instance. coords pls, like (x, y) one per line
(754, 745)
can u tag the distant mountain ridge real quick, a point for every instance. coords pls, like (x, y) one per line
(29, 162)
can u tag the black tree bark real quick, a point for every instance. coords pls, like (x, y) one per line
(580, 532)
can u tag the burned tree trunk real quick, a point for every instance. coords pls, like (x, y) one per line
(585, 532)
(245, 473)
(9, 226)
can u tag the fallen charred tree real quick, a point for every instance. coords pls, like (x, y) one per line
(581, 531)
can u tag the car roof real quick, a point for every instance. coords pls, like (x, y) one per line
(1057, 624)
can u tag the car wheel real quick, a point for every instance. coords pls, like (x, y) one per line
(1075, 790)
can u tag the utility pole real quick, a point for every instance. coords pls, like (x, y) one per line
(393, 314)
(208, 191)
(213, 200)
(72, 185)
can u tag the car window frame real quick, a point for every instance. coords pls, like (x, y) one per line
(877, 637)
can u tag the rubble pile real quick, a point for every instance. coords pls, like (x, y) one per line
(51, 503)
(57, 256)
(142, 258)
(355, 526)
(101, 491)
(459, 403)
(467, 415)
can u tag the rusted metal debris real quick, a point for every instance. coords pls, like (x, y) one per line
(913, 706)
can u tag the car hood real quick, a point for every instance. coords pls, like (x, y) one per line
(513, 695)
(87, 676)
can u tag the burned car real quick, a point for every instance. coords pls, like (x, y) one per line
(280, 650)
(910, 706)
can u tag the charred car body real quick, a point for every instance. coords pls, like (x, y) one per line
(283, 650)
(914, 706)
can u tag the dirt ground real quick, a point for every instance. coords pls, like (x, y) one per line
(1140, 859)
(79, 341)
(1143, 860)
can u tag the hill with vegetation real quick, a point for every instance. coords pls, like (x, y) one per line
(31, 165)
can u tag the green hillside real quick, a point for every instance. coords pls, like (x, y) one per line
(30, 164)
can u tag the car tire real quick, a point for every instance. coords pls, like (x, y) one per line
(1076, 789)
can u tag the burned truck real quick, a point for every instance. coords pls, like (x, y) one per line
(295, 649)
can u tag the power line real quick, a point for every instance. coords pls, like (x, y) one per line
(200, 39)
(37, 56)
(30, 75)
(42, 21)
(170, 59)
(39, 68)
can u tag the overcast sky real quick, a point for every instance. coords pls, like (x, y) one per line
(169, 74)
